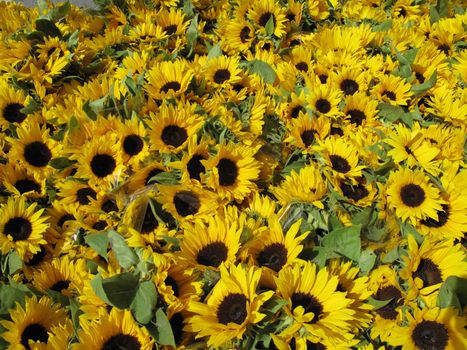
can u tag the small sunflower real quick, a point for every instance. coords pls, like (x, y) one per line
(75, 194)
(239, 35)
(168, 79)
(22, 227)
(350, 81)
(231, 307)
(132, 134)
(232, 171)
(314, 302)
(264, 11)
(392, 89)
(431, 328)
(19, 181)
(12, 101)
(412, 196)
(361, 110)
(210, 243)
(305, 131)
(33, 326)
(172, 126)
(324, 99)
(223, 71)
(114, 330)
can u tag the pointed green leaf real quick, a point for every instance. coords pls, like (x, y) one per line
(345, 241)
(264, 70)
(164, 331)
(48, 27)
(99, 242)
(126, 257)
(427, 84)
(144, 302)
(120, 290)
(453, 293)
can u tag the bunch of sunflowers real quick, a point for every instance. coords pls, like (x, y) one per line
(197, 174)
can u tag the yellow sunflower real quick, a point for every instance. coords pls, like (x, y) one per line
(361, 110)
(232, 171)
(114, 330)
(19, 181)
(210, 243)
(231, 307)
(168, 79)
(12, 101)
(350, 81)
(264, 11)
(427, 266)
(324, 99)
(305, 186)
(172, 126)
(33, 326)
(132, 134)
(222, 71)
(392, 89)
(22, 227)
(238, 35)
(431, 328)
(304, 131)
(172, 21)
(412, 196)
(314, 302)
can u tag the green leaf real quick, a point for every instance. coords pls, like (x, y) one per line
(188, 8)
(390, 256)
(9, 295)
(434, 15)
(118, 290)
(32, 106)
(165, 178)
(75, 312)
(367, 261)
(269, 27)
(443, 8)
(453, 292)
(163, 332)
(378, 304)
(264, 70)
(58, 12)
(214, 52)
(61, 163)
(383, 26)
(96, 284)
(48, 27)
(192, 34)
(14, 262)
(144, 302)
(99, 242)
(73, 39)
(131, 86)
(126, 257)
(390, 112)
(427, 84)
(345, 241)
(274, 304)
(73, 124)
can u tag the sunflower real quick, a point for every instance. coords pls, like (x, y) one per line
(172, 21)
(431, 328)
(301, 58)
(33, 325)
(304, 131)
(168, 79)
(350, 81)
(323, 98)
(449, 104)
(51, 47)
(114, 330)
(263, 12)
(142, 178)
(132, 135)
(232, 171)
(412, 196)
(22, 227)
(222, 71)
(34, 148)
(12, 101)
(314, 302)
(361, 110)
(172, 126)
(427, 266)
(361, 194)
(187, 202)
(306, 186)
(392, 89)
(76, 194)
(210, 243)
(61, 275)
(231, 307)
(101, 162)
(238, 34)
(19, 181)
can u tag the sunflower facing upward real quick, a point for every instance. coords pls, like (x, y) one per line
(231, 307)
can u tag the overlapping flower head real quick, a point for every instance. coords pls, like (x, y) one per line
(191, 174)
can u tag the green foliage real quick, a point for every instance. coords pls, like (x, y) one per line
(118, 290)
(453, 293)
(144, 302)
(126, 257)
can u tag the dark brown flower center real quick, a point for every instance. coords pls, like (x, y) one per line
(265, 17)
(354, 192)
(122, 342)
(323, 78)
(212, 254)
(309, 303)
(388, 311)
(314, 346)
(323, 105)
(19, 228)
(150, 222)
(420, 77)
(221, 75)
(339, 164)
(151, 174)
(173, 135)
(171, 29)
(186, 203)
(389, 94)
(176, 322)
(443, 217)
(132, 145)
(12, 112)
(37, 154)
(245, 34)
(99, 225)
(37, 258)
(83, 193)
(26, 185)
(34, 332)
(302, 66)
(273, 256)
(228, 172)
(296, 111)
(232, 309)
(444, 48)
(103, 165)
(428, 272)
(64, 218)
(356, 116)
(171, 85)
(349, 86)
(430, 335)
(308, 136)
(60, 285)
(169, 281)
(109, 205)
(195, 167)
(412, 195)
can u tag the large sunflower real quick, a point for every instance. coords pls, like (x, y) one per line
(233, 171)
(22, 227)
(361, 110)
(314, 302)
(114, 330)
(231, 307)
(431, 329)
(427, 266)
(392, 89)
(168, 79)
(33, 325)
(412, 196)
(20, 181)
(264, 11)
(172, 126)
(324, 99)
(12, 101)
(223, 71)
(212, 243)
